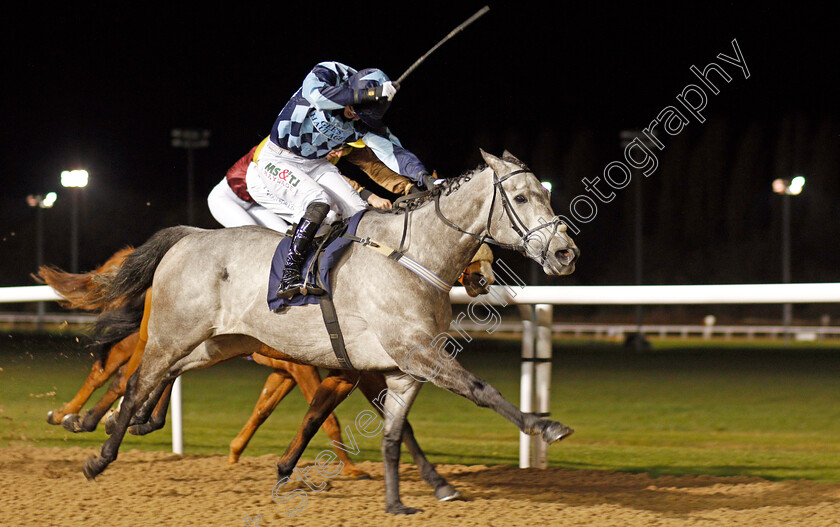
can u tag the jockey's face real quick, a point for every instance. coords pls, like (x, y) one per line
(350, 113)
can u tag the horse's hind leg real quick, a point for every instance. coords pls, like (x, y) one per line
(309, 380)
(277, 385)
(150, 362)
(151, 372)
(334, 389)
(157, 419)
(373, 387)
(99, 375)
(144, 413)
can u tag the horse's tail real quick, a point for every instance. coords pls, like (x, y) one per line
(82, 291)
(125, 290)
(114, 325)
(135, 275)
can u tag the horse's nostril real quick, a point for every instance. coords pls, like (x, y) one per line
(565, 255)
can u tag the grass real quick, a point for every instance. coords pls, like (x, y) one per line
(693, 409)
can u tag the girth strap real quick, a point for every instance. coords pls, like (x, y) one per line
(334, 330)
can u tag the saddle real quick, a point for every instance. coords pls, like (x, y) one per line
(328, 250)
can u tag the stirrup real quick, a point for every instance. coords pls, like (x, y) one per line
(290, 291)
(312, 289)
(303, 289)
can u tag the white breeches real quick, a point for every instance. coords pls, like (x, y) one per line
(232, 211)
(286, 184)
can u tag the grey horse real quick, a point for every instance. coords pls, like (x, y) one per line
(210, 290)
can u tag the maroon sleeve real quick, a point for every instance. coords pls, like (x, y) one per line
(236, 176)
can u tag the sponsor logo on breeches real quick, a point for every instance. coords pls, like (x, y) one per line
(283, 176)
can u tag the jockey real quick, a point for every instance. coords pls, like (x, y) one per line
(335, 106)
(232, 206)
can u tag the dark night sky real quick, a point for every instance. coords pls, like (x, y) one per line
(101, 89)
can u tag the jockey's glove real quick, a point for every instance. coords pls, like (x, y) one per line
(428, 180)
(385, 91)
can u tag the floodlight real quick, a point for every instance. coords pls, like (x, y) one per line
(74, 178)
(49, 200)
(796, 185)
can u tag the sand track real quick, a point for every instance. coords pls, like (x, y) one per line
(45, 486)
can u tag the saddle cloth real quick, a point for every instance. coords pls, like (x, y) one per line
(317, 265)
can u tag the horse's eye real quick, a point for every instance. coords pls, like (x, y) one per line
(520, 199)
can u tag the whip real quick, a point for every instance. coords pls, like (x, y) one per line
(454, 32)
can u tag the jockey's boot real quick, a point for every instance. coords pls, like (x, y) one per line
(292, 280)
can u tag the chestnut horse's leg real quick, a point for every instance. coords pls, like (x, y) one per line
(94, 416)
(115, 390)
(331, 392)
(99, 375)
(309, 380)
(278, 384)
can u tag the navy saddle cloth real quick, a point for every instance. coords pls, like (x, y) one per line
(321, 267)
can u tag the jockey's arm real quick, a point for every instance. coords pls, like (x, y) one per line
(324, 88)
(368, 196)
(390, 152)
(386, 178)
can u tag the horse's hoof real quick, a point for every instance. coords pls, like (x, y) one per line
(71, 423)
(352, 472)
(110, 424)
(555, 432)
(283, 472)
(233, 459)
(50, 418)
(91, 467)
(447, 493)
(399, 508)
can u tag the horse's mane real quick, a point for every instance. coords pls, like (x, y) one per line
(446, 188)
(450, 185)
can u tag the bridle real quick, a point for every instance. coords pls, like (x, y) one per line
(526, 234)
(407, 204)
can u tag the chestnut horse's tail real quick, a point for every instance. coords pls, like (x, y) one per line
(83, 291)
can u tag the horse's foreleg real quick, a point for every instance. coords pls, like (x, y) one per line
(99, 375)
(372, 386)
(334, 389)
(278, 384)
(401, 392)
(309, 379)
(451, 376)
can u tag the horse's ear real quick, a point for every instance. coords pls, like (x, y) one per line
(507, 156)
(494, 162)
